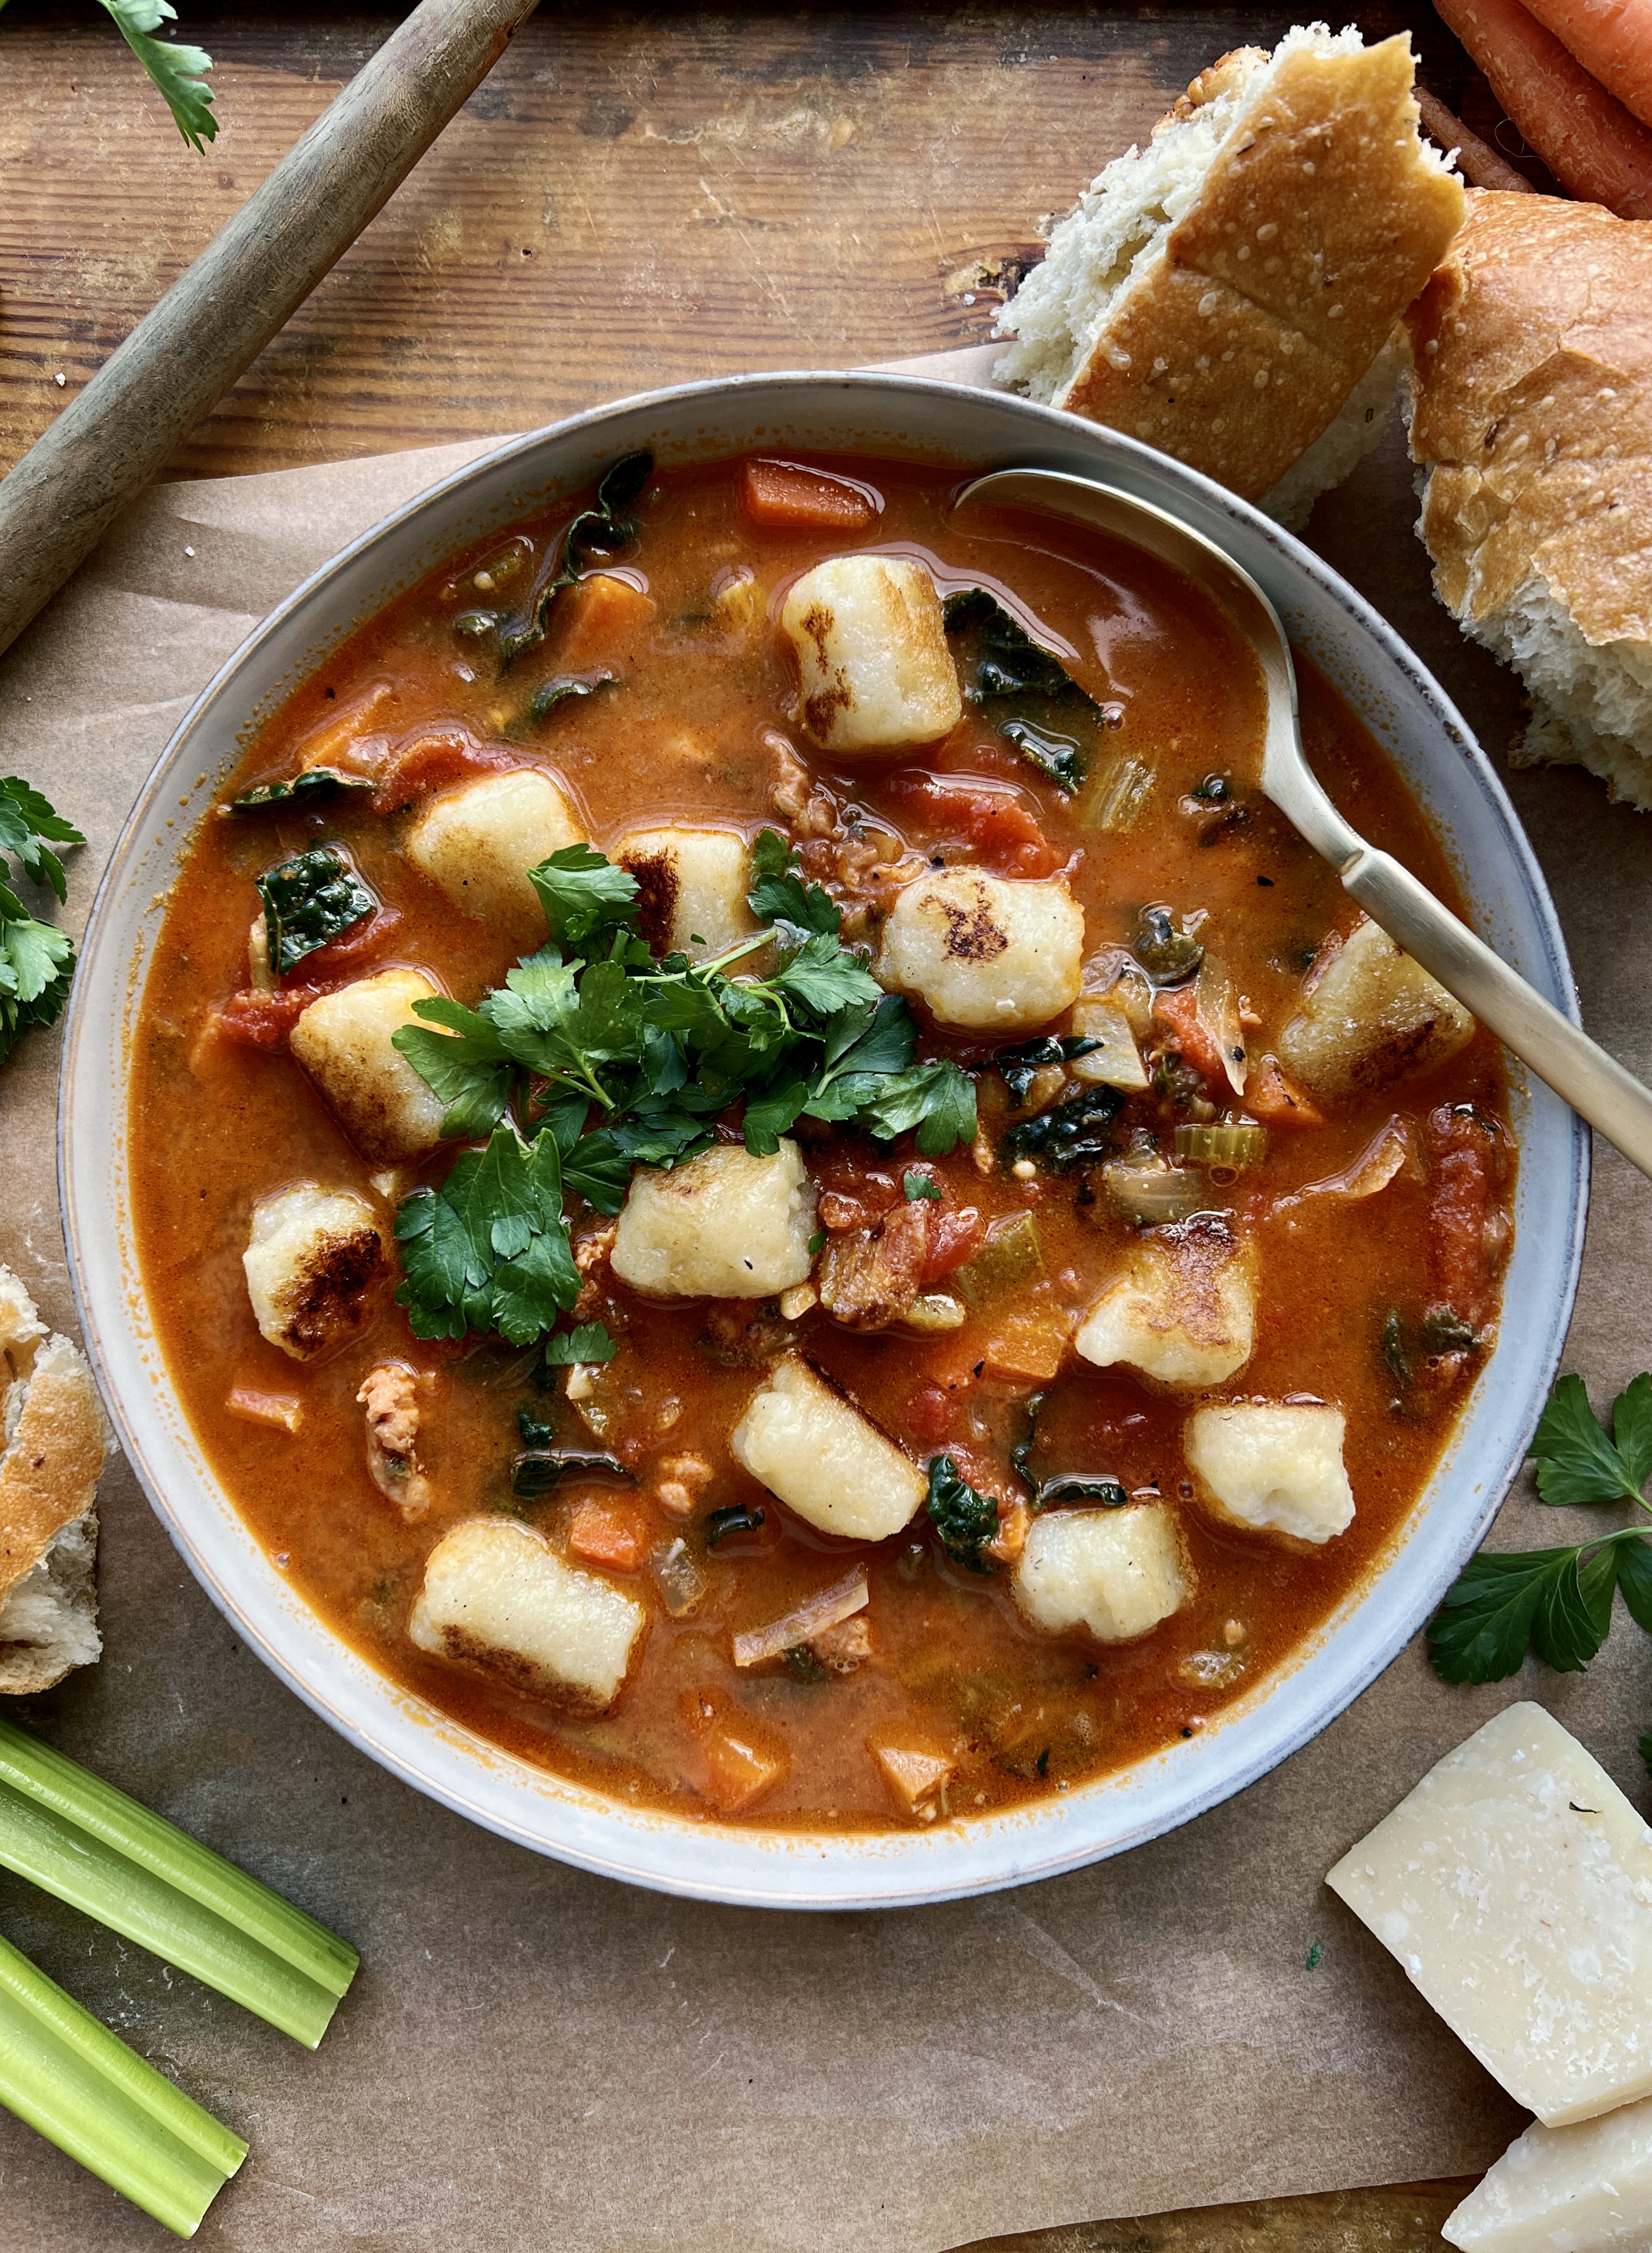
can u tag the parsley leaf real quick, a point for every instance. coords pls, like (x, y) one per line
(1559, 1601)
(1576, 1461)
(586, 1342)
(778, 896)
(177, 69)
(309, 782)
(467, 1066)
(37, 960)
(584, 896)
(937, 1098)
(825, 978)
(27, 821)
(489, 1250)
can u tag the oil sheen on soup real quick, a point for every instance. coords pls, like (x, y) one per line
(770, 1180)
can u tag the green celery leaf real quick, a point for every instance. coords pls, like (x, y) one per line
(1632, 1430)
(466, 1066)
(825, 977)
(177, 69)
(27, 821)
(586, 1342)
(1576, 1461)
(583, 894)
(937, 1098)
(1635, 1578)
(309, 899)
(1492, 1612)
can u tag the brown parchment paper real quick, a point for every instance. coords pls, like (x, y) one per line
(532, 2057)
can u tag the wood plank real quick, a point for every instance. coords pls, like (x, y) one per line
(636, 198)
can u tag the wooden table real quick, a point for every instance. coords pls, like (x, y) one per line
(637, 197)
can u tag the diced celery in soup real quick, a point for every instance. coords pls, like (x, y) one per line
(813, 1280)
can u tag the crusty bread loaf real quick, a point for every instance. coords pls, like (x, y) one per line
(1223, 292)
(1531, 418)
(57, 1442)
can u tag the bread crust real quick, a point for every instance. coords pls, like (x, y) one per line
(49, 1474)
(1532, 411)
(1317, 223)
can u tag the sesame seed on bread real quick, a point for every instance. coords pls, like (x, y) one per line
(1531, 419)
(1221, 292)
(57, 1442)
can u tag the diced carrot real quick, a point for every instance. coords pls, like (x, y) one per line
(917, 1777)
(1030, 1341)
(278, 1410)
(784, 497)
(612, 1534)
(1276, 1100)
(741, 1764)
(599, 620)
(1176, 1007)
(1587, 138)
(1612, 39)
(435, 761)
(1468, 1227)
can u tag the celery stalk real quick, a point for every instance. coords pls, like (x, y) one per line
(86, 2092)
(40, 1845)
(127, 1866)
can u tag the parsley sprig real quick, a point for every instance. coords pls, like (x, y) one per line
(37, 960)
(177, 69)
(1558, 1603)
(598, 1054)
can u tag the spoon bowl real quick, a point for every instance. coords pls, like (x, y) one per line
(1581, 1073)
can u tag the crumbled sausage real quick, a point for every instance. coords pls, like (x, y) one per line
(390, 1395)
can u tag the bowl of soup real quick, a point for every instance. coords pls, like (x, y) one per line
(742, 1201)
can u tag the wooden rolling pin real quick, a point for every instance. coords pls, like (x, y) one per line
(218, 314)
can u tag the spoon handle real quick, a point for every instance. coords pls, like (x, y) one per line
(1596, 1086)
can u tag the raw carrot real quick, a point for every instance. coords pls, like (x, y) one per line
(1612, 39)
(1588, 140)
(784, 497)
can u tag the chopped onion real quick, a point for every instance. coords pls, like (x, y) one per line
(815, 1613)
(681, 1584)
(1387, 1154)
(1114, 800)
(1115, 1062)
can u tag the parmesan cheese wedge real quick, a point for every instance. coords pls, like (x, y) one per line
(1583, 2189)
(1515, 1886)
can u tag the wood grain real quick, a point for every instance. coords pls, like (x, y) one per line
(636, 197)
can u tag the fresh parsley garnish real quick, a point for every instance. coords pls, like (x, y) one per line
(309, 899)
(615, 1058)
(1558, 1603)
(1024, 690)
(965, 1519)
(178, 71)
(489, 1250)
(37, 959)
(586, 1342)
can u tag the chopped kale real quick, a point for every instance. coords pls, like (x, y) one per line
(737, 1519)
(309, 781)
(1078, 1132)
(965, 1520)
(538, 1432)
(1394, 1349)
(1065, 1486)
(1168, 955)
(1446, 1332)
(599, 531)
(541, 1469)
(309, 899)
(1024, 689)
(1018, 1066)
(569, 688)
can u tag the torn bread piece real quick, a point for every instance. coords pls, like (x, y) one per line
(1531, 424)
(1223, 292)
(57, 1442)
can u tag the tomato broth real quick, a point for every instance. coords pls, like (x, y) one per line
(1375, 1296)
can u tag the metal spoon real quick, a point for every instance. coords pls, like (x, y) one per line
(1583, 1075)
